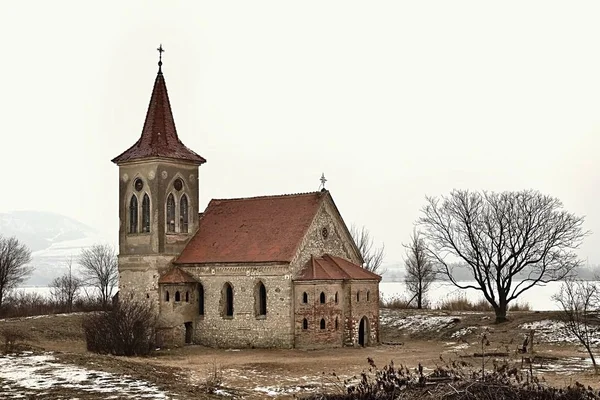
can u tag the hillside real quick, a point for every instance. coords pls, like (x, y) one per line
(52, 238)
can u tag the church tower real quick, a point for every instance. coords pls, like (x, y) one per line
(158, 198)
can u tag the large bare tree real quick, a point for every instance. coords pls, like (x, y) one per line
(372, 256)
(64, 289)
(420, 268)
(14, 268)
(100, 270)
(580, 303)
(508, 241)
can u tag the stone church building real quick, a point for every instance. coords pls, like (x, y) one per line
(265, 271)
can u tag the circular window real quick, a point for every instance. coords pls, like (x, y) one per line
(178, 184)
(324, 232)
(138, 184)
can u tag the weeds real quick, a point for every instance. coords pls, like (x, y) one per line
(13, 338)
(462, 303)
(23, 304)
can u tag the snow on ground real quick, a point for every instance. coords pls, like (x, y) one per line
(28, 374)
(418, 323)
(552, 331)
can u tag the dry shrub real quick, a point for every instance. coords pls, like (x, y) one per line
(128, 329)
(214, 378)
(400, 302)
(13, 337)
(462, 303)
(519, 306)
(24, 304)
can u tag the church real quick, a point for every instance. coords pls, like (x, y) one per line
(278, 271)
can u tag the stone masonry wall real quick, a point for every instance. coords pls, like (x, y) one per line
(313, 311)
(362, 307)
(245, 328)
(138, 276)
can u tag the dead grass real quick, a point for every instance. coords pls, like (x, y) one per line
(401, 303)
(462, 303)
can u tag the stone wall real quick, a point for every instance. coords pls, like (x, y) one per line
(313, 311)
(360, 306)
(138, 276)
(245, 328)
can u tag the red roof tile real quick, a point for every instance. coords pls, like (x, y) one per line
(159, 136)
(335, 268)
(255, 229)
(176, 275)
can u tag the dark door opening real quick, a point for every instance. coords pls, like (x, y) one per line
(362, 332)
(188, 332)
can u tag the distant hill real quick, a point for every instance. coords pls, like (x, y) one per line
(52, 238)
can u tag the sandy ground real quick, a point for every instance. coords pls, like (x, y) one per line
(408, 338)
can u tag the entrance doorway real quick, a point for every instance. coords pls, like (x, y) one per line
(189, 332)
(363, 332)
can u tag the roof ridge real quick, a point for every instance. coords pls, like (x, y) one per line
(270, 196)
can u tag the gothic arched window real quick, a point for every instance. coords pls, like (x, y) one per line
(167, 296)
(336, 297)
(322, 298)
(133, 214)
(260, 299)
(322, 326)
(227, 300)
(177, 296)
(146, 214)
(187, 297)
(170, 213)
(304, 323)
(305, 297)
(183, 214)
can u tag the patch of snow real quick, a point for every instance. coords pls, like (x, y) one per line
(41, 372)
(464, 331)
(419, 323)
(551, 331)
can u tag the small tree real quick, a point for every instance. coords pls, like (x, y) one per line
(372, 256)
(65, 289)
(420, 271)
(100, 270)
(14, 257)
(509, 241)
(579, 301)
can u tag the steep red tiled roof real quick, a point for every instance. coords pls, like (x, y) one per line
(176, 275)
(255, 229)
(159, 136)
(336, 268)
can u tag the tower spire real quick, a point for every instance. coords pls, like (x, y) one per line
(160, 51)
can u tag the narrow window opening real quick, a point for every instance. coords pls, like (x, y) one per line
(183, 214)
(322, 323)
(336, 297)
(133, 214)
(170, 213)
(228, 300)
(177, 296)
(305, 297)
(368, 295)
(200, 299)
(167, 296)
(337, 325)
(260, 299)
(322, 298)
(187, 297)
(304, 324)
(146, 214)
(357, 296)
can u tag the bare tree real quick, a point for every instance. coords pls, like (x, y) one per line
(579, 301)
(64, 289)
(420, 270)
(14, 257)
(509, 241)
(100, 270)
(372, 256)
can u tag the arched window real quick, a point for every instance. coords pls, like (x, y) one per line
(200, 299)
(337, 324)
(304, 323)
(183, 214)
(305, 297)
(358, 295)
(368, 293)
(133, 214)
(167, 296)
(177, 296)
(336, 297)
(227, 300)
(187, 297)
(322, 323)
(146, 214)
(260, 299)
(322, 298)
(170, 213)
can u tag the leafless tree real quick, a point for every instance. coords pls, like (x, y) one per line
(420, 269)
(579, 302)
(508, 241)
(64, 289)
(14, 268)
(100, 270)
(372, 256)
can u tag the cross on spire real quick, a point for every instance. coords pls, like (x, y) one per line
(160, 51)
(323, 180)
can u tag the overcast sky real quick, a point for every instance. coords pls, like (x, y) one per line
(391, 100)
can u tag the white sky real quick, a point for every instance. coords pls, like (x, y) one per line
(392, 100)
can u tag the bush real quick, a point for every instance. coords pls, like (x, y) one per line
(12, 337)
(23, 304)
(398, 302)
(126, 330)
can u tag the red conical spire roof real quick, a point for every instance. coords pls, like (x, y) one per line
(159, 136)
